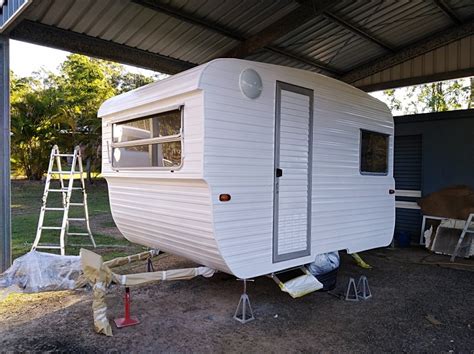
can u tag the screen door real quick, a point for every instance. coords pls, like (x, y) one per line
(293, 157)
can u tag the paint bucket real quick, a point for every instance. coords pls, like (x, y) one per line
(402, 238)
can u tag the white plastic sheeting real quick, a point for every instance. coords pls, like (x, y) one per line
(300, 286)
(38, 271)
(324, 263)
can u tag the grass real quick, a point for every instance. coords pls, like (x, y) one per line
(26, 204)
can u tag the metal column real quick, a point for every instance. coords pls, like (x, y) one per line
(5, 216)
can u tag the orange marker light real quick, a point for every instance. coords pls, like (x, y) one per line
(224, 197)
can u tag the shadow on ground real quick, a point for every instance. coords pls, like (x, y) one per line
(418, 305)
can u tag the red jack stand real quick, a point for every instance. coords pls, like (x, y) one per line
(127, 320)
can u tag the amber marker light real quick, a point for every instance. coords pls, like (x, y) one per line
(224, 197)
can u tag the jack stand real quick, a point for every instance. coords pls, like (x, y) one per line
(363, 290)
(241, 313)
(127, 320)
(149, 266)
(351, 293)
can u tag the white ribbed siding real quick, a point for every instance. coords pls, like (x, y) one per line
(349, 210)
(161, 209)
(173, 215)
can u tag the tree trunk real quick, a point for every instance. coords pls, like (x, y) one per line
(89, 170)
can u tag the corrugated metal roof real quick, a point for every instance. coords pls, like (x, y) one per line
(395, 24)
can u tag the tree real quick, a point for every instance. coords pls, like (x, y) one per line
(433, 97)
(61, 109)
(35, 124)
(392, 102)
(442, 96)
(85, 84)
(129, 81)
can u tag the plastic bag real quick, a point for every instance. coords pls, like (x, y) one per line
(38, 271)
(324, 263)
(301, 285)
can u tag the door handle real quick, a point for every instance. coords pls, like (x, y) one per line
(278, 172)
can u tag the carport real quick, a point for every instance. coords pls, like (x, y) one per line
(371, 45)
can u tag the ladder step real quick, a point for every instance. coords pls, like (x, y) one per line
(78, 234)
(63, 155)
(64, 190)
(51, 228)
(57, 209)
(77, 219)
(49, 246)
(76, 204)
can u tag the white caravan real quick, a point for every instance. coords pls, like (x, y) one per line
(250, 168)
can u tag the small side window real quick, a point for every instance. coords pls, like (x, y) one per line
(373, 153)
(153, 141)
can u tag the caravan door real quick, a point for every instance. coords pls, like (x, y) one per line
(292, 183)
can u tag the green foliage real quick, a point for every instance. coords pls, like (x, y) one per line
(34, 117)
(393, 102)
(433, 97)
(48, 109)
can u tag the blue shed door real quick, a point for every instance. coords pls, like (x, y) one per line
(407, 171)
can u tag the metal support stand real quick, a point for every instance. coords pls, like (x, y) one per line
(363, 290)
(149, 265)
(351, 292)
(127, 320)
(244, 312)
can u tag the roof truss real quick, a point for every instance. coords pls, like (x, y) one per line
(422, 46)
(261, 40)
(448, 11)
(50, 36)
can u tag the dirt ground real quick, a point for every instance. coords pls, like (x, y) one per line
(419, 304)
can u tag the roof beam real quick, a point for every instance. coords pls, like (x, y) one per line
(291, 21)
(157, 5)
(54, 37)
(448, 11)
(421, 47)
(305, 60)
(358, 31)
(417, 80)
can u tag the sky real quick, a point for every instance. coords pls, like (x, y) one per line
(26, 58)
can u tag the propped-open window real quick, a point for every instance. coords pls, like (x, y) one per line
(152, 141)
(373, 153)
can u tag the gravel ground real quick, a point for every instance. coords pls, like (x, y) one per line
(417, 306)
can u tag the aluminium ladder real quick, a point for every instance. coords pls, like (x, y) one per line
(66, 191)
(465, 231)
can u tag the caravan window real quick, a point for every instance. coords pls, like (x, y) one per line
(153, 141)
(373, 153)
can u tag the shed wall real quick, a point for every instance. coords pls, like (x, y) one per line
(447, 156)
(448, 147)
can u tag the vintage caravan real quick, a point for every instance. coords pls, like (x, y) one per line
(250, 168)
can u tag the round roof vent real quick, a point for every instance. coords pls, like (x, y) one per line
(250, 83)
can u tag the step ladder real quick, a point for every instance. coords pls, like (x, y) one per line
(467, 230)
(66, 191)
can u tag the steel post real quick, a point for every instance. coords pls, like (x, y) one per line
(5, 215)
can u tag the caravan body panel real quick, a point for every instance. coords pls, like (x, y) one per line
(230, 147)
